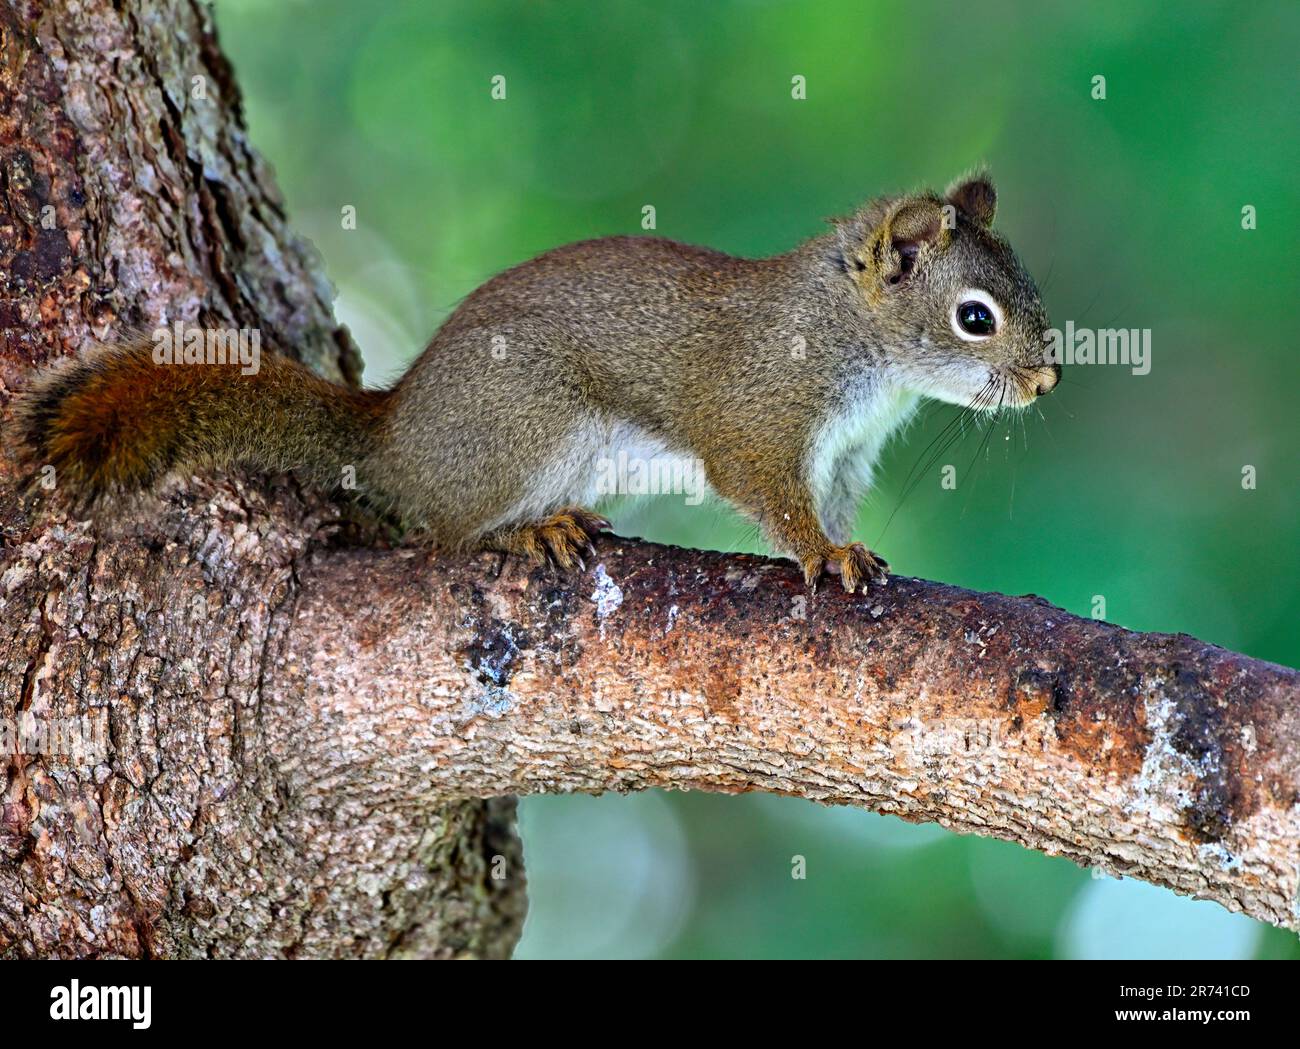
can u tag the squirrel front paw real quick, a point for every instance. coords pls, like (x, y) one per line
(854, 564)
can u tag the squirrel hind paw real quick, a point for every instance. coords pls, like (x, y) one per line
(564, 540)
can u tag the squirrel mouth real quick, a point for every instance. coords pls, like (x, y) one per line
(1013, 386)
(1033, 382)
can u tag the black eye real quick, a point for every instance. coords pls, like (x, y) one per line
(976, 318)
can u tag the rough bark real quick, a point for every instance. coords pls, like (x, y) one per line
(130, 196)
(301, 728)
(1149, 755)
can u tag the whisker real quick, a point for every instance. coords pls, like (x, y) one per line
(953, 432)
(1048, 279)
(957, 421)
(1046, 428)
(984, 444)
(971, 414)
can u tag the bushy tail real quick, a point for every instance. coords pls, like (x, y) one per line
(116, 422)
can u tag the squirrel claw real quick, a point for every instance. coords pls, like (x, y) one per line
(565, 539)
(854, 564)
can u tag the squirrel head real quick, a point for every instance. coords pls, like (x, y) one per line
(961, 320)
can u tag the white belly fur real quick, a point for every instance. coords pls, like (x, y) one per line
(853, 438)
(574, 478)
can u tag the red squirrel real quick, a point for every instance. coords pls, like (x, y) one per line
(784, 376)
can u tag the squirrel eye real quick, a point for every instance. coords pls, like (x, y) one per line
(976, 318)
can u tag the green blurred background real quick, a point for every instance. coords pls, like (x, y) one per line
(1127, 487)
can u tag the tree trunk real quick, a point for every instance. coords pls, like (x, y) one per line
(297, 731)
(130, 196)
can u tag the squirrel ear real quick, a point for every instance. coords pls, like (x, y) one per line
(915, 223)
(976, 196)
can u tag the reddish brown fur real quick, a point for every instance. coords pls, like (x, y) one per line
(115, 422)
(783, 377)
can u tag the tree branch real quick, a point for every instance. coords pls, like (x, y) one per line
(1149, 755)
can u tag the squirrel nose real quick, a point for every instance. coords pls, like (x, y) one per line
(1048, 384)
